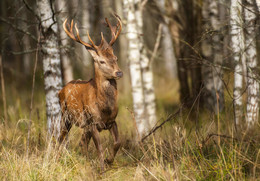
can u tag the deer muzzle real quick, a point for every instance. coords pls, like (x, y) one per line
(119, 74)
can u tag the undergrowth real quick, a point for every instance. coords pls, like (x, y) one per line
(182, 149)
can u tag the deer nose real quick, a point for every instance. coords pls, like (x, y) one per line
(119, 74)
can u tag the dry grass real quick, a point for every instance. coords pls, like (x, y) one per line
(180, 150)
(175, 152)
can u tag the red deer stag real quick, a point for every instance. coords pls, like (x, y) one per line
(92, 105)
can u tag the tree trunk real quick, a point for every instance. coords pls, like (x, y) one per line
(167, 45)
(147, 74)
(168, 53)
(67, 69)
(212, 52)
(237, 45)
(51, 65)
(193, 30)
(175, 11)
(134, 57)
(85, 22)
(251, 61)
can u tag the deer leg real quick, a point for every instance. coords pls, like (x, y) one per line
(96, 139)
(85, 139)
(65, 128)
(114, 132)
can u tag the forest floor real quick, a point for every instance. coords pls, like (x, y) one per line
(189, 147)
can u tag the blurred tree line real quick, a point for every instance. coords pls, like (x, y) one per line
(211, 47)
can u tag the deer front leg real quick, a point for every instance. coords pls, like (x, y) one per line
(114, 132)
(96, 139)
(85, 139)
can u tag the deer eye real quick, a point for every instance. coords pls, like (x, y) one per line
(102, 62)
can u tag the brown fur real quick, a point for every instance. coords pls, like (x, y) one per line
(92, 105)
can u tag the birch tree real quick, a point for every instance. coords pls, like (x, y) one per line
(61, 7)
(51, 64)
(134, 57)
(146, 71)
(251, 61)
(212, 52)
(237, 45)
(140, 69)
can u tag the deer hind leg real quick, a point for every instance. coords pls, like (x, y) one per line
(96, 139)
(114, 132)
(84, 142)
(64, 129)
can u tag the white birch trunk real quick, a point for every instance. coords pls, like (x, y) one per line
(212, 51)
(51, 65)
(237, 45)
(258, 5)
(207, 52)
(147, 74)
(251, 61)
(217, 55)
(67, 69)
(134, 57)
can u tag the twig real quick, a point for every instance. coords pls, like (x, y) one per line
(217, 135)
(3, 90)
(170, 117)
(32, 95)
(23, 52)
(157, 43)
(31, 10)
(18, 29)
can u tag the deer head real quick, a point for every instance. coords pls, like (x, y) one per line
(105, 61)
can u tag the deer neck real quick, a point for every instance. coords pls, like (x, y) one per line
(106, 89)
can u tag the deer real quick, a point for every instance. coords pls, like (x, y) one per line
(92, 105)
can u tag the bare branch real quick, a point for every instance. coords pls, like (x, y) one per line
(157, 43)
(18, 29)
(31, 10)
(170, 117)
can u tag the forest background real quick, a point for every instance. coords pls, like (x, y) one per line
(188, 101)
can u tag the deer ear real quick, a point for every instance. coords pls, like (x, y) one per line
(93, 53)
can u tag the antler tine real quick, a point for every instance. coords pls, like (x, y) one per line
(87, 45)
(114, 32)
(102, 40)
(69, 33)
(93, 44)
(110, 27)
(118, 24)
(78, 39)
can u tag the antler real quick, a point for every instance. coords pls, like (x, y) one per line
(78, 39)
(114, 32)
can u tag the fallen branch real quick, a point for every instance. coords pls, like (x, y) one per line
(170, 117)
